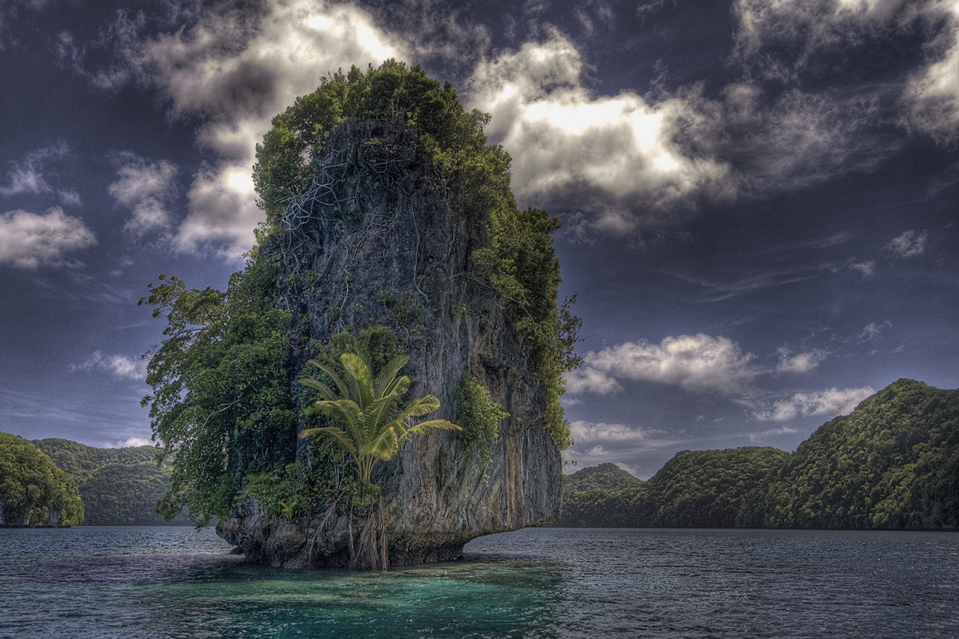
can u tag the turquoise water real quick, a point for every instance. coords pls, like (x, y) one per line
(177, 582)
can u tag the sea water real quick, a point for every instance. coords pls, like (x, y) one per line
(548, 582)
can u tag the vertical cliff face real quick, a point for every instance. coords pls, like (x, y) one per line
(377, 241)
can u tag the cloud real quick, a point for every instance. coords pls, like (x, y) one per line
(231, 70)
(130, 442)
(847, 41)
(146, 188)
(831, 402)
(119, 365)
(28, 240)
(586, 432)
(439, 34)
(799, 363)
(31, 175)
(618, 155)
(784, 39)
(867, 269)
(909, 244)
(699, 363)
(869, 332)
(931, 97)
(794, 140)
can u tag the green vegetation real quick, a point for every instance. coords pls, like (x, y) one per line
(479, 417)
(892, 464)
(32, 489)
(225, 401)
(222, 402)
(370, 426)
(518, 263)
(119, 486)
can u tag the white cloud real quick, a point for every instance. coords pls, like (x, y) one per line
(119, 365)
(867, 269)
(30, 175)
(619, 154)
(697, 363)
(28, 240)
(869, 332)
(146, 188)
(130, 442)
(909, 244)
(782, 39)
(931, 97)
(799, 363)
(235, 71)
(831, 402)
(585, 432)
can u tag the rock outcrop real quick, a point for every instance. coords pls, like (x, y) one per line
(377, 240)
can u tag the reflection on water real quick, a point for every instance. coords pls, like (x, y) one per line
(176, 582)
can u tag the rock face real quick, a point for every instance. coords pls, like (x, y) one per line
(377, 240)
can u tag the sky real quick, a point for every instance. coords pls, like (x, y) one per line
(758, 197)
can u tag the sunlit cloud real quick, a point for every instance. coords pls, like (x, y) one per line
(829, 403)
(118, 365)
(566, 144)
(29, 241)
(785, 39)
(697, 363)
(130, 442)
(147, 189)
(585, 432)
(800, 362)
(232, 70)
(32, 174)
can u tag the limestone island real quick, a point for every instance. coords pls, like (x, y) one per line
(381, 383)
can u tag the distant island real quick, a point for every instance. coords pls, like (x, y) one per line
(33, 491)
(61, 482)
(891, 464)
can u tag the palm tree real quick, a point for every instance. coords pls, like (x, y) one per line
(369, 425)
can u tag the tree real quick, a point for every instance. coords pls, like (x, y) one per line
(371, 427)
(32, 489)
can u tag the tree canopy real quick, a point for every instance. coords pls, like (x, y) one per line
(118, 486)
(32, 489)
(891, 464)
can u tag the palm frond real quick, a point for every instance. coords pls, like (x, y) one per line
(387, 376)
(322, 388)
(335, 433)
(423, 427)
(339, 383)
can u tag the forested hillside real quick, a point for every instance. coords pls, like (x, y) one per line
(892, 464)
(32, 489)
(119, 486)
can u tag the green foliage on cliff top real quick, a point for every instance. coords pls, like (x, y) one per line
(32, 489)
(518, 262)
(892, 464)
(119, 486)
